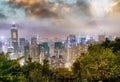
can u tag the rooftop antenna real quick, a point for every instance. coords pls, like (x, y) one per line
(13, 25)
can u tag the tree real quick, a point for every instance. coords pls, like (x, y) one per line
(107, 43)
(63, 75)
(97, 64)
(32, 71)
(114, 45)
(35, 72)
(46, 71)
(10, 70)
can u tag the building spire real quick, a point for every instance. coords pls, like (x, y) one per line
(14, 26)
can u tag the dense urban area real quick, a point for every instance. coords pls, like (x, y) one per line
(59, 41)
(77, 59)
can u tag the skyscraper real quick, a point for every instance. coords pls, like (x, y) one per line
(26, 50)
(22, 43)
(101, 38)
(71, 41)
(58, 45)
(14, 36)
(34, 50)
(33, 41)
(1, 47)
(46, 48)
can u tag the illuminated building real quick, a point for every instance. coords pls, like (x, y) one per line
(34, 50)
(71, 41)
(58, 46)
(83, 40)
(41, 53)
(9, 42)
(14, 36)
(101, 38)
(26, 50)
(33, 41)
(11, 54)
(46, 49)
(1, 47)
(22, 43)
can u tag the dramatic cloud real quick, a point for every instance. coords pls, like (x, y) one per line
(84, 5)
(59, 19)
(35, 8)
(115, 10)
(45, 9)
(2, 16)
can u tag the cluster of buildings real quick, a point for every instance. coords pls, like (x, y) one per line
(59, 53)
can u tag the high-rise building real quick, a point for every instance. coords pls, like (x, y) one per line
(58, 45)
(34, 50)
(14, 36)
(33, 41)
(57, 48)
(11, 55)
(71, 41)
(10, 42)
(22, 43)
(46, 49)
(41, 53)
(101, 38)
(1, 47)
(83, 40)
(26, 50)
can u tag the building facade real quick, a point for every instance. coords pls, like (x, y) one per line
(14, 36)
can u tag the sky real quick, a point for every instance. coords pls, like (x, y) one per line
(58, 20)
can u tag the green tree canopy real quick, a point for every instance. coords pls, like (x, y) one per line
(10, 70)
(98, 64)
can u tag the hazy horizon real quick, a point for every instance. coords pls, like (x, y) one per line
(58, 20)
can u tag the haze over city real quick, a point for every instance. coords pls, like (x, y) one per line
(59, 41)
(50, 18)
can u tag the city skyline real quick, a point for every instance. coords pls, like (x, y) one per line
(59, 41)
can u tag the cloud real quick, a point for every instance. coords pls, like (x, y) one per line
(59, 19)
(84, 6)
(38, 10)
(2, 16)
(35, 8)
(115, 9)
(43, 9)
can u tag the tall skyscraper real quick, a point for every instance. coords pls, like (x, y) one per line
(10, 42)
(1, 47)
(26, 50)
(101, 38)
(22, 43)
(14, 36)
(34, 50)
(71, 41)
(46, 48)
(83, 40)
(33, 41)
(58, 45)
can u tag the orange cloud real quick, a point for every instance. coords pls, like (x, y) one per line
(35, 8)
(115, 10)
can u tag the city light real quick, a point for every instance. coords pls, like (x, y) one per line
(68, 65)
(2, 37)
(60, 40)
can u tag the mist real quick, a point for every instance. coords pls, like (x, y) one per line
(60, 19)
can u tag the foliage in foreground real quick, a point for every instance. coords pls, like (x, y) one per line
(98, 64)
(102, 62)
